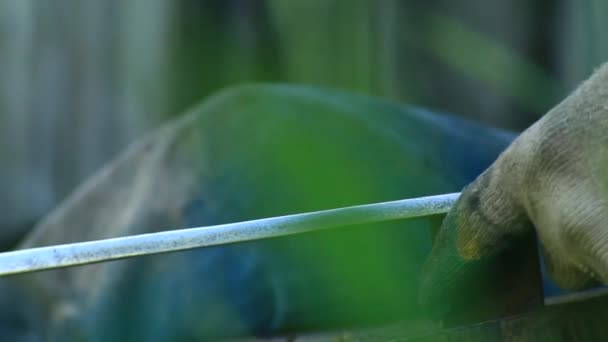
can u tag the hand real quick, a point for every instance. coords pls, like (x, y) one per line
(552, 182)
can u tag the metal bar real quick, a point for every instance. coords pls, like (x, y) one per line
(43, 258)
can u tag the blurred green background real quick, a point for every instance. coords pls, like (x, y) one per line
(83, 78)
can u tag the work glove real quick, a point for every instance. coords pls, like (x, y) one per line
(550, 183)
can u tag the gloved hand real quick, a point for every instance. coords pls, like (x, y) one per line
(552, 181)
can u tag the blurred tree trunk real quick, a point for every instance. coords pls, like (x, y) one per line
(218, 43)
(579, 39)
(81, 78)
(479, 59)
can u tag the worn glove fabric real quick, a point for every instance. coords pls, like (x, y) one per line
(553, 182)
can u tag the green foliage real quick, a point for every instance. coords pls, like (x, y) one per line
(499, 63)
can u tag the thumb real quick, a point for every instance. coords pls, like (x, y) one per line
(481, 247)
(554, 171)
